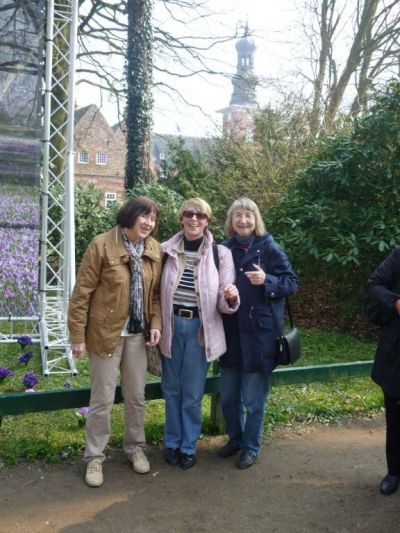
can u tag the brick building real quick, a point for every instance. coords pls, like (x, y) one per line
(99, 153)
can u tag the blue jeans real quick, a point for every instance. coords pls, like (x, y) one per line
(182, 381)
(242, 392)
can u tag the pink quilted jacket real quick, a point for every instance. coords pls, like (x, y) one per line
(211, 301)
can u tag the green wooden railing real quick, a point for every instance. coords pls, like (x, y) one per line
(23, 402)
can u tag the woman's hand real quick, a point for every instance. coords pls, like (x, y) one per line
(257, 276)
(231, 294)
(78, 349)
(155, 336)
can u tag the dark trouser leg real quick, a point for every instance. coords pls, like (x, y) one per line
(392, 406)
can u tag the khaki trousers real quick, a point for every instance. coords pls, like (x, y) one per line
(130, 359)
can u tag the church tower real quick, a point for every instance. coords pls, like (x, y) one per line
(238, 117)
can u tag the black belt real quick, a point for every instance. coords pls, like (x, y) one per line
(186, 312)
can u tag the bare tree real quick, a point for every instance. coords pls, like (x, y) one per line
(373, 52)
(327, 26)
(381, 52)
(103, 44)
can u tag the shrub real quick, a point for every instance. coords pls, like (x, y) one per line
(91, 217)
(340, 216)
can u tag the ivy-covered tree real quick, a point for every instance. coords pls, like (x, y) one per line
(340, 217)
(139, 74)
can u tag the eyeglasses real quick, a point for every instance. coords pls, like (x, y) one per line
(191, 214)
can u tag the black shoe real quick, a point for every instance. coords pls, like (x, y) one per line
(245, 459)
(228, 450)
(389, 484)
(171, 456)
(187, 461)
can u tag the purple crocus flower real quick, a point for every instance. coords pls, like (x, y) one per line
(67, 384)
(25, 358)
(30, 380)
(24, 340)
(81, 415)
(5, 372)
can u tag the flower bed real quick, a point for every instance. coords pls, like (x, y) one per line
(19, 206)
(19, 251)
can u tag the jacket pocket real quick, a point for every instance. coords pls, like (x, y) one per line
(107, 307)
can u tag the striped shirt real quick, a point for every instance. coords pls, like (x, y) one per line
(185, 294)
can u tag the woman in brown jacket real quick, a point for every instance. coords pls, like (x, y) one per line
(114, 309)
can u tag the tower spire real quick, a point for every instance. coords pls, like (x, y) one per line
(245, 81)
(243, 105)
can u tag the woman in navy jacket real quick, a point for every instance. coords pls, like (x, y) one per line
(384, 288)
(264, 278)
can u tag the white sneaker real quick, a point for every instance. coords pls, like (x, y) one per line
(94, 473)
(139, 461)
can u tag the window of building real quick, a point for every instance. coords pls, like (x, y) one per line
(110, 198)
(101, 158)
(249, 135)
(83, 157)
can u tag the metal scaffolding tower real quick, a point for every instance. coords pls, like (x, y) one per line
(57, 250)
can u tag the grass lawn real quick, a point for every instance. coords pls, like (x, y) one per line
(56, 436)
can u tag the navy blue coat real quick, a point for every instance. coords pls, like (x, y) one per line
(384, 287)
(251, 334)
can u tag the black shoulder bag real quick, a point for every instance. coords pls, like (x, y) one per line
(289, 348)
(288, 344)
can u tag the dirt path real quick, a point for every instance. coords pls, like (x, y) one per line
(323, 480)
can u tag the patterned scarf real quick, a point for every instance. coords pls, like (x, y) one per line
(136, 317)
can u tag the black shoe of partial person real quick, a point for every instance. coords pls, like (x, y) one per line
(171, 456)
(228, 450)
(245, 459)
(389, 484)
(187, 461)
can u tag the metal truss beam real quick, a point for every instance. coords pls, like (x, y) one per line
(57, 268)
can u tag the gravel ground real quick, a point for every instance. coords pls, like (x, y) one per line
(324, 479)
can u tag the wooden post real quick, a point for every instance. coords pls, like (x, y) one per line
(217, 419)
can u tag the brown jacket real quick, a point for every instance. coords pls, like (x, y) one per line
(99, 305)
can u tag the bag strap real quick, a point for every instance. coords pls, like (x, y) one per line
(215, 255)
(289, 313)
(164, 260)
(272, 303)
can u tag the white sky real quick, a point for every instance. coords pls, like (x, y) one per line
(276, 30)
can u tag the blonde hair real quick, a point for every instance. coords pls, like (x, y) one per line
(248, 205)
(198, 204)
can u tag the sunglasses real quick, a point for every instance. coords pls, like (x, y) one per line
(191, 214)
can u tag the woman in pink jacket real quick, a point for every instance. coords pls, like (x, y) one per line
(196, 287)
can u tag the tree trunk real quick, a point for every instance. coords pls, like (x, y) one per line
(359, 104)
(353, 61)
(139, 97)
(327, 9)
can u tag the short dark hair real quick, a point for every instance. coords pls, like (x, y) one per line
(128, 213)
